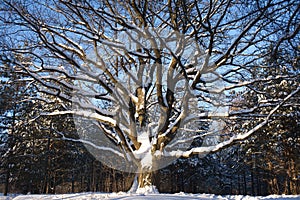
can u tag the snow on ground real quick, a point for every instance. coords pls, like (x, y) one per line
(126, 196)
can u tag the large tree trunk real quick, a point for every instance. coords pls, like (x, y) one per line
(144, 182)
(145, 179)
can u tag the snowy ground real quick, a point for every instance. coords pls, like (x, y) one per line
(126, 196)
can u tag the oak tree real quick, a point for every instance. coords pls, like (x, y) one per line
(148, 74)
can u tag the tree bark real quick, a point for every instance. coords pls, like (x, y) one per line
(245, 183)
(6, 186)
(144, 182)
(73, 182)
(145, 179)
(252, 183)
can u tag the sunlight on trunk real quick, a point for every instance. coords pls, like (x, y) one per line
(144, 183)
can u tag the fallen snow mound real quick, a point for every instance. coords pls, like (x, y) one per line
(126, 196)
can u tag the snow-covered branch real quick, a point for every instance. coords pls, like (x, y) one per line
(86, 114)
(231, 140)
(89, 143)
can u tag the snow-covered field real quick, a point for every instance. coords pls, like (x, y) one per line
(126, 196)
